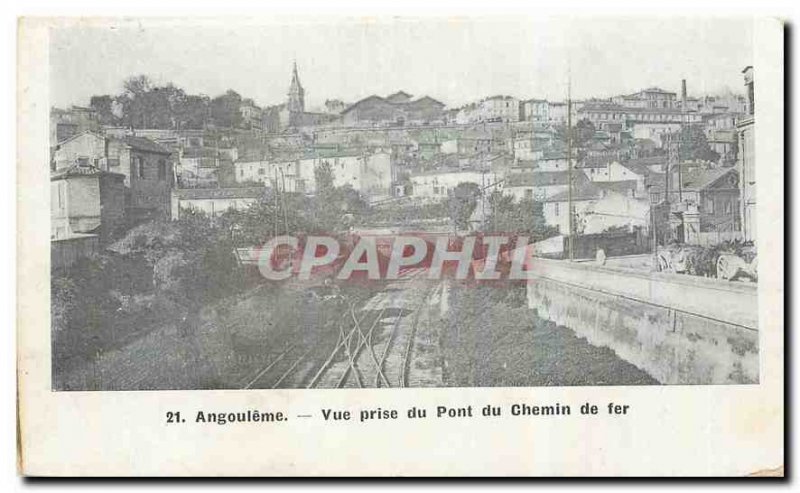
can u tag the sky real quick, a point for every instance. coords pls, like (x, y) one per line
(455, 60)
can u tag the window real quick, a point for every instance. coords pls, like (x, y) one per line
(260, 171)
(141, 168)
(61, 193)
(83, 161)
(555, 207)
(162, 170)
(709, 206)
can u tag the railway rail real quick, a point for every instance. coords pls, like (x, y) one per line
(363, 356)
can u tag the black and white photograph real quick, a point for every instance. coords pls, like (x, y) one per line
(405, 241)
(402, 203)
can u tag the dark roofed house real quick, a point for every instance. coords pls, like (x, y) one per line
(705, 202)
(395, 109)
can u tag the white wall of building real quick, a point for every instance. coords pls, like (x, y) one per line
(437, 185)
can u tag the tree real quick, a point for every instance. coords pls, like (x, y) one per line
(525, 217)
(103, 106)
(462, 203)
(224, 110)
(323, 175)
(583, 133)
(194, 112)
(693, 145)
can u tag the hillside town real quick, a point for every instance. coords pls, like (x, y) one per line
(669, 166)
(162, 199)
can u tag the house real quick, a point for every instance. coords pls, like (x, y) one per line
(334, 106)
(86, 200)
(438, 184)
(724, 143)
(68, 123)
(251, 114)
(198, 167)
(652, 98)
(492, 109)
(616, 209)
(534, 110)
(481, 140)
(703, 202)
(540, 185)
(584, 198)
(602, 113)
(528, 147)
(611, 170)
(146, 166)
(214, 201)
(656, 132)
(554, 160)
(397, 109)
(367, 173)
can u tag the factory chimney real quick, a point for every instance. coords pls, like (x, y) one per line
(683, 94)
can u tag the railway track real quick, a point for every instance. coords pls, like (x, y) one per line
(369, 361)
(365, 353)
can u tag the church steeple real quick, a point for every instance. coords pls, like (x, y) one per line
(297, 95)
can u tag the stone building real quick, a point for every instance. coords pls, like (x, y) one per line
(146, 168)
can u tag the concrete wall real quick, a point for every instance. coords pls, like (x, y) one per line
(679, 329)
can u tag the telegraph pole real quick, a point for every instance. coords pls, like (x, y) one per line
(569, 170)
(275, 210)
(283, 204)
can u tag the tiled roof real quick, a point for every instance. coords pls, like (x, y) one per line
(537, 179)
(594, 190)
(703, 178)
(81, 170)
(595, 162)
(220, 193)
(145, 145)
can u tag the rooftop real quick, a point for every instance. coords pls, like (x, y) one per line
(594, 190)
(219, 193)
(82, 170)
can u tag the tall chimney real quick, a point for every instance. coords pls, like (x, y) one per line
(683, 94)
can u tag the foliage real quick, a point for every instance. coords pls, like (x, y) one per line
(144, 104)
(323, 175)
(103, 106)
(694, 145)
(224, 110)
(525, 217)
(462, 203)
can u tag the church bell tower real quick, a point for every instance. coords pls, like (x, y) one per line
(297, 95)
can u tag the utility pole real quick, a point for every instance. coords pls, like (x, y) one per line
(283, 204)
(569, 170)
(653, 227)
(483, 195)
(275, 195)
